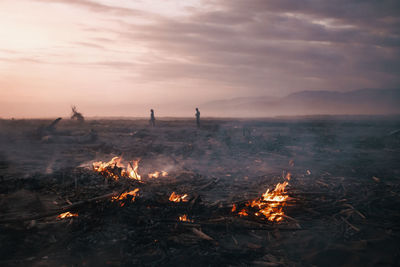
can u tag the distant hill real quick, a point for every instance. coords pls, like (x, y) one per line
(364, 101)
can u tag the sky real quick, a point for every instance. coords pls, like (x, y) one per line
(123, 57)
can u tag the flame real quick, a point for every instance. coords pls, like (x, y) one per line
(243, 213)
(115, 169)
(178, 198)
(67, 215)
(270, 204)
(132, 170)
(124, 195)
(108, 169)
(184, 218)
(157, 174)
(233, 208)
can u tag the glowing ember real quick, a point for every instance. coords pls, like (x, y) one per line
(157, 174)
(184, 218)
(115, 169)
(243, 213)
(270, 204)
(67, 215)
(178, 198)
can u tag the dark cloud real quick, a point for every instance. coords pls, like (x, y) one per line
(292, 44)
(266, 46)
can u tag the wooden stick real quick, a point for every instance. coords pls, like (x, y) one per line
(352, 226)
(57, 211)
(214, 181)
(356, 211)
(223, 223)
(202, 235)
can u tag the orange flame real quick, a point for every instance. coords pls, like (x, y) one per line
(233, 208)
(115, 169)
(67, 215)
(270, 204)
(133, 194)
(184, 218)
(106, 168)
(243, 213)
(132, 170)
(178, 198)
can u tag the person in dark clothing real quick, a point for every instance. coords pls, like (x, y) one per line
(198, 118)
(152, 118)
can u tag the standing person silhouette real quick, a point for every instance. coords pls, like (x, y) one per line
(198, 118)
(152, 118)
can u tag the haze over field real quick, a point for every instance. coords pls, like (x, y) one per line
(121, 58)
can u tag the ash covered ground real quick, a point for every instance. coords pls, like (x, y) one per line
(343, 208)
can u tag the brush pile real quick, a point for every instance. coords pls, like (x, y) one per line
(97, 219)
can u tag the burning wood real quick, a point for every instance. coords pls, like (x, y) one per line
(67, 215)
(115, 169)
(184, 218)
(133, 194)
(178, 198)
(269, 205)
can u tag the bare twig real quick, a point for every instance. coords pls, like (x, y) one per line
(57, 211)
(352, 226)
(202, 235)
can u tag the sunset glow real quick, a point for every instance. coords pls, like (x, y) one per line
(174, 55)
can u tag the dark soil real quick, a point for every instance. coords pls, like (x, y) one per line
(343, 208)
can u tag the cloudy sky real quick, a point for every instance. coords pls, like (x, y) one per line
(122, 57)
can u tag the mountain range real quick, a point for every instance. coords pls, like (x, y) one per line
(358, 102)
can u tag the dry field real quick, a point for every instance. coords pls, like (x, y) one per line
(339, 205)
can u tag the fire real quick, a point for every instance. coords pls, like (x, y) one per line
(178, 198)
(158, 174)
(277, 195)
(233, 208)
(132, 170)
(115, 169)
(109, 169)
(184, 218)
(67, 215)
(243, 213)
(270, 204)
(133, 194)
